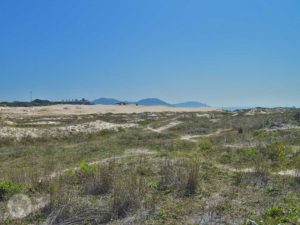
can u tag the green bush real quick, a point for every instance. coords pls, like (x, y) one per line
(274, 212)
(276, 215)
(226, 158)
(287, 213)
(8, 189)
(277, 152)
(250, 153)
(265, 135)
(86, 168)
(205, 145)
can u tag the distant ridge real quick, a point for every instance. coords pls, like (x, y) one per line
(190, 104)
(149, 102)
(152, 102)
(105, 101)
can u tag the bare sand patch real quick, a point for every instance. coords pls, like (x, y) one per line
(240, 145)
(291, 173)
(205, 115)
(42, 123)
(256, 111)
(282, 127)
(95, 126)
(192, 137)
(163, 128)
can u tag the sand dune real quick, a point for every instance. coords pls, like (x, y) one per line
(61, 110)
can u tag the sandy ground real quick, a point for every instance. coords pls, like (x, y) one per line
(90, 127)
(8, 128)
(193, 137)
(62, 110)
(163, 128)
(240, 145)
(292, 173)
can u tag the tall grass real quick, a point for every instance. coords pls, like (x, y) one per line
(101, 181)
(127, 194)
(180, 176)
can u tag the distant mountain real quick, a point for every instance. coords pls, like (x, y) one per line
(152, 101)
(105, 101)
(234, 108)
(148, 102)
(190, 104)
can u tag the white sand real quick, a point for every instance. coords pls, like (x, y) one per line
(61, 110)
(18, 133)
(163, 128)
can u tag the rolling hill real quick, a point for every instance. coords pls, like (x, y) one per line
(148, 102)
(152, 102)
(105, 101)
(190, 104)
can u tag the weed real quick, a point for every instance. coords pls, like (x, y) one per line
(8, 188)
(86, 169)
(287, 212)
(250, 153)
(205, 145)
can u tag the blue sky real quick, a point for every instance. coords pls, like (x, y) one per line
(224, 53)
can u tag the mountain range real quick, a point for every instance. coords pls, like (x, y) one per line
(148, 102)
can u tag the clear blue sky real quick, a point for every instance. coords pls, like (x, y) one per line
(224, 53)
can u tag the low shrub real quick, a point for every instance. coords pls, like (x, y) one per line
(265, 135)
(86, 168)
(205, 145)
(8, 188)
(274, 212)
(250, 153)
(287, 212)
(226, 158)
(276, 152)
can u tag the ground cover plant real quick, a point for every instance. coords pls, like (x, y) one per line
(237, 167)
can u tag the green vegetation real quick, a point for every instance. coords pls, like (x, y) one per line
(205, 145)
(288, 212)
(8, 188)
(238, 168)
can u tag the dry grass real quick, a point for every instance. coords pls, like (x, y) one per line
(181, 176)
(127, 194)
(101, 181)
